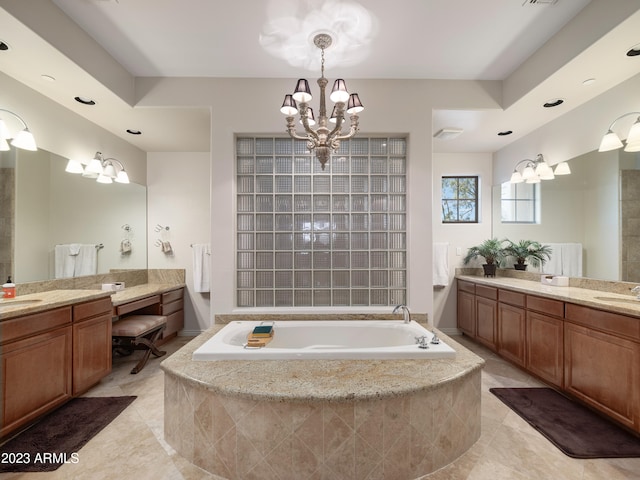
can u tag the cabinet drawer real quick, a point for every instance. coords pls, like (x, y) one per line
(545, 305)
(615, 323)
(487, 292)
(172, 296)
(169, 308)
(466, 286)
(516, 299)
(31, 324)
(138, 304)
(86, 310)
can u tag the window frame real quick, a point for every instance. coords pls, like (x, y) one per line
(458, 200)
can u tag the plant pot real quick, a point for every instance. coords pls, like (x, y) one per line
(520, 266)
(489, 269)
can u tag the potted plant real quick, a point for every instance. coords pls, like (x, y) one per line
(492, 250)
(528, 250)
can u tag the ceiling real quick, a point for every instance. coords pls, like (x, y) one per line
(377, 39)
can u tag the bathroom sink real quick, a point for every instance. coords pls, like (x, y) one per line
(619, 300)
(14, 303)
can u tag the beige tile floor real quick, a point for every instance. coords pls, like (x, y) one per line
(132, 446)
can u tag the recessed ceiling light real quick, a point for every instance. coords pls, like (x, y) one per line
(589, 81)
(84, 100)
(134, 132)
(48, 78)
(634, 51)
(448, 133)
(553, 103)
(3, 46)
(504, 133)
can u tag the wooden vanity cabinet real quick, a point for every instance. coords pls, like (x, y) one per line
(35, 366)
(545, 339)
(91, 343)
(467, 308)
(512, 326)
(487, 315)
(169, 304)
(172, 306)
(602, 361)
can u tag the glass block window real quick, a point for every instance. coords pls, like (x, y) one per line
(520, 202)
(312, 237)
(460, 199)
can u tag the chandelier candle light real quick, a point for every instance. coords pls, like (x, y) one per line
(323, 140)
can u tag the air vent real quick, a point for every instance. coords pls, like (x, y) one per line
(448, 133)
(539, 2)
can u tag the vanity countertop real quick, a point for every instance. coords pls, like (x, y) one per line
(136, 292)
(609, 301)
(38, 302)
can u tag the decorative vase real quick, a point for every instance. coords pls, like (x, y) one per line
(489, 269)
(520, 266)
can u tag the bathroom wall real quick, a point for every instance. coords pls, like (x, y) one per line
(459, 236)
(178, 197)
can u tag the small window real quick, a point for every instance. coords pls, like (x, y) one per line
(520, 202)
(460, 199)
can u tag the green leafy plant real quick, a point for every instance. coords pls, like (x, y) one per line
(492, 250)
(528, 250)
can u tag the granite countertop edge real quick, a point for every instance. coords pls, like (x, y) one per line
(615, 302)
(53, 299)
(304, 381)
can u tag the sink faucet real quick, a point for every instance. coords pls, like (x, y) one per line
(406, 314)
(636, 291)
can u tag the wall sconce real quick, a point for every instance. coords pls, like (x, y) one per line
(23, 139)
(611, 141)
(533, 171)
(104, 170)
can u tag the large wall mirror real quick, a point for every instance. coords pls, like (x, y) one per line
(50, 207)
(598, 206)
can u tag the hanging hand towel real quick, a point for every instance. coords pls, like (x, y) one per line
(64, 260)
(86, 261)
(201, 265)
(440, 264)
(125, 246)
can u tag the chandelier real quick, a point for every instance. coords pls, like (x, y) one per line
(326, 138)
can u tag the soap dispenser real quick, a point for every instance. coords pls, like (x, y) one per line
(9, 288)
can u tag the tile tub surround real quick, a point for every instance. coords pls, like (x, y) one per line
(396, 419)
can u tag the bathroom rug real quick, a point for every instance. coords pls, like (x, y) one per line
(57, 438)
(576, 430)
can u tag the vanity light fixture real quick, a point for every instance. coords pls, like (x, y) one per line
(533, 171)
(611, 141)
(104, 170)
(23, 139)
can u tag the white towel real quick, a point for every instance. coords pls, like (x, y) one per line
(86, 261)
(572, 259)
(440, 264)
(566, 259)
(64, 261)
(553, 266)
(201, 262)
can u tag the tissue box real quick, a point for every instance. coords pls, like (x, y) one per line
(555, 280)
(115, 287)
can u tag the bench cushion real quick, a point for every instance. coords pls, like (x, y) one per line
(136, 325)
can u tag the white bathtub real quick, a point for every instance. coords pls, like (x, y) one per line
(325, 339)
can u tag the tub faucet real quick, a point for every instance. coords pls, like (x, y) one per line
(636, 291)
(406, 314)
